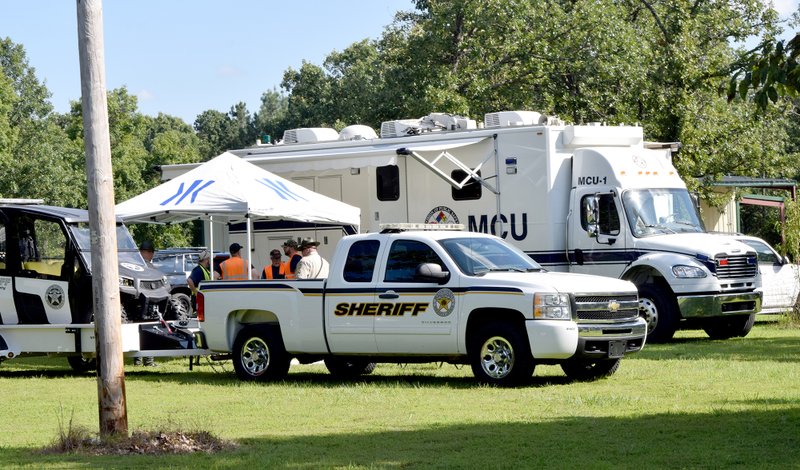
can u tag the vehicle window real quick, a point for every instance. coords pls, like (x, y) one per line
(360, 263)
(476, 256)
(42, 246)
(388, 179)
(472, 189)
(190, 261)
(765, 253)
(167, 264)
(405, 256)
(607, 212)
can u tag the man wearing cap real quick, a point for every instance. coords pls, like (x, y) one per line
(290, 250)
(234, 268)
(199, 274)
(275, 270)
(147, 250)
(312, 266)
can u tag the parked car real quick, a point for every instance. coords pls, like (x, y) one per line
(780, 278)
(177, 264)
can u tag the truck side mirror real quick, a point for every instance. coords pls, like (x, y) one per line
(432, 272)
(591, 209)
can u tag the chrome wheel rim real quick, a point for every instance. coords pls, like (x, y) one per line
(255, 356)
(648, 311)
(497, 357)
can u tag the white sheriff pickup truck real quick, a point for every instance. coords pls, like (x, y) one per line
(407, 296)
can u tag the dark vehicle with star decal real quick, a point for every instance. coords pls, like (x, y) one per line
(46, 301)
(417, 293)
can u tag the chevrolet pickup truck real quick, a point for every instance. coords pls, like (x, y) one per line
(406, 296)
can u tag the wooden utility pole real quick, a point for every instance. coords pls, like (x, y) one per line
(102, 221)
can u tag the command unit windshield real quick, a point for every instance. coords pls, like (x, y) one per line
(660, 211)
(476, 256)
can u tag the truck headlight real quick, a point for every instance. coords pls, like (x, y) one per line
(682, 271)
(551, 307)
(165, 282)
(125, 282)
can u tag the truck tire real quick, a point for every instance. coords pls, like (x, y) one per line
(500, 354)
(259, 354)
(660, 310)
(587, 369)
(348, 368)
(728, 327)
(82, 365)
(180, 307)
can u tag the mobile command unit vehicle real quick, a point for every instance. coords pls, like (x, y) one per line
(580, 198)
(46, 290)
(425, 296)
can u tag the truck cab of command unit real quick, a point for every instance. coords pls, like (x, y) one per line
(632, 217)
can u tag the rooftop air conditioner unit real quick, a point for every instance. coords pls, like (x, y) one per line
(400, 128)
(357, 132)
(309, 135)
(513, 118)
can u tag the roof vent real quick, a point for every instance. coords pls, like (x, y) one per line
(513, 118)
(309, 135)
(357, 132)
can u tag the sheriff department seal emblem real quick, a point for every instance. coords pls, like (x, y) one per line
(444, 302)
(54, 296)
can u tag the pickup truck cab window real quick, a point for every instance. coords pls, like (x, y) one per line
(477, 256)
(360, 263)
(405, 256)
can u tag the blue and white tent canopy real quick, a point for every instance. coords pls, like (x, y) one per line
(230, 189)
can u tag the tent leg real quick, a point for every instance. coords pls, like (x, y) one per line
(249, 251)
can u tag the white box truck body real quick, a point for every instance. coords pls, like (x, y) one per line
(579, 198)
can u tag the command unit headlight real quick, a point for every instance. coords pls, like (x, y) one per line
(551, 307)
(125, 281)
(683, 271)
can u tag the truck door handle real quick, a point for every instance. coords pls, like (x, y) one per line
(389, 295)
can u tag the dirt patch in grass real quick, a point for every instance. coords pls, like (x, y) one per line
(139, 442)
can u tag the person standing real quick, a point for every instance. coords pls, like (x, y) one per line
(290, 250)
(147, 250)
(275, 270)
(233, 268)
(199, 274)
(312, 266)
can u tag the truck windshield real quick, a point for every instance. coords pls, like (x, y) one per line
(477, 256)
(660, 211)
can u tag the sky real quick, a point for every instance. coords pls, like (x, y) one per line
(182, 57)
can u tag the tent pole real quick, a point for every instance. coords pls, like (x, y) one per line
(211, 243)
(249, 251)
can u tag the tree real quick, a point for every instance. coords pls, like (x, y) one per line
(270, 120)
(658, 63)
(770, 73)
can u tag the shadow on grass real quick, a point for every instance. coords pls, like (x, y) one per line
(720, 439)
(776, 349)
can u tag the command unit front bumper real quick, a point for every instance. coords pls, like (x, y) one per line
(610, 340)
(718, 305)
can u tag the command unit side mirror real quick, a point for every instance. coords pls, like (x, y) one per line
(591, 209)
(432, 272)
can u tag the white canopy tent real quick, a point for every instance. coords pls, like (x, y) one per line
(229, 189)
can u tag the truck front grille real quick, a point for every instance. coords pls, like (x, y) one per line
(736, 267)
(606, 308)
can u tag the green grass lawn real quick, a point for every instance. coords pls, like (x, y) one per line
(692, 403)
